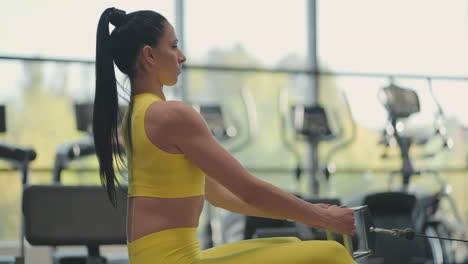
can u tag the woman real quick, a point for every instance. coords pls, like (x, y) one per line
(174, 162)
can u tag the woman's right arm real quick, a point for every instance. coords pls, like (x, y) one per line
(188, 131)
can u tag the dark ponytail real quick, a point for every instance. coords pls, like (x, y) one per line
(106, 105)
(132, 32)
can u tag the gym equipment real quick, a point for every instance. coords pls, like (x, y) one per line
(67, 153)
(410, 234)
(58, 215)
(236, 227)
(402, 208)
(310, 123)
(214, 117)
(20, 159)
(364, 223)
(357, 245)
(367, 230)
(2, 119)
(227, 134)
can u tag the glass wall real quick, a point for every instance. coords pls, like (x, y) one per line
(365, 44)
(264, 34)
(410, 37)
(225, 42)
(53, 28)
(230, 41)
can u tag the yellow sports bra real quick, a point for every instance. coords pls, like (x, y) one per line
(152, 171)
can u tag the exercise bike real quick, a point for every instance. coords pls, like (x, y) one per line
(402, 208)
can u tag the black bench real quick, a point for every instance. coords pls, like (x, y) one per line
(58, 215)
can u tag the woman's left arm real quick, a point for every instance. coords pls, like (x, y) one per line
(220, 196)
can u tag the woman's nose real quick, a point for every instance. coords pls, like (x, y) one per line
(182, 57)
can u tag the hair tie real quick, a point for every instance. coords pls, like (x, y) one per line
(117, 17)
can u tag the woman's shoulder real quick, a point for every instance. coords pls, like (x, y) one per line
(172, 113)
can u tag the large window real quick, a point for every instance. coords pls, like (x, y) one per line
(234, 47)
(238, 36)
(365, 44)
(412, 37)
(267, 34)
(54, 28)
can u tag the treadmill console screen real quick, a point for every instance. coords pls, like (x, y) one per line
(2, 119)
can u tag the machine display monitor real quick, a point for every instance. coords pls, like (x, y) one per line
(2, 119)
(400, 102)
(311, 121)
(214, 118)
(84, 116)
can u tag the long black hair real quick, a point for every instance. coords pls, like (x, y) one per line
(131, 33)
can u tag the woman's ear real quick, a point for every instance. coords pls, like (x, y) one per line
(148, 55)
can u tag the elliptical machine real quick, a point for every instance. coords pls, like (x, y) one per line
(311, 124)
(402, 208)
(235, 139)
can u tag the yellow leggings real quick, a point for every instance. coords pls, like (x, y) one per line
(181, 246)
